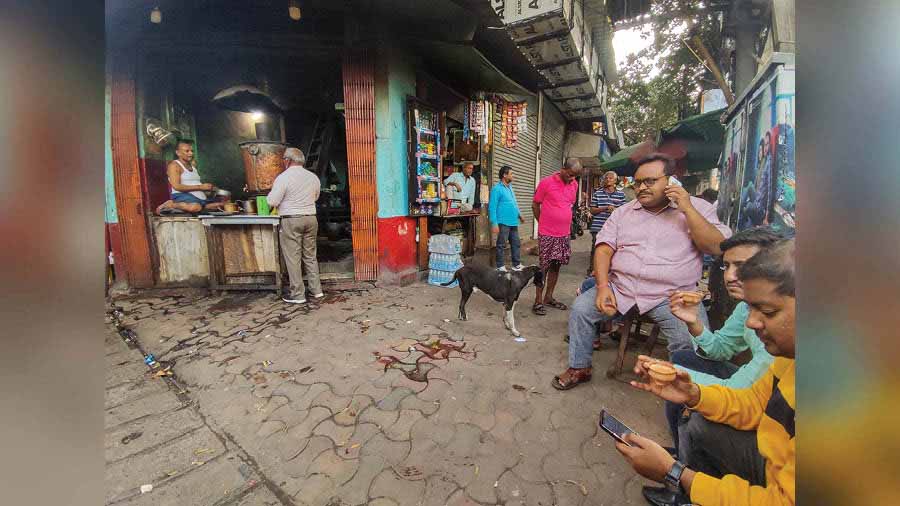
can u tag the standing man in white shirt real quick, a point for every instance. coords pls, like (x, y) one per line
(461, 186)
(295, 192)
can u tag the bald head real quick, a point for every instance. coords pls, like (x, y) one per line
(295, 156)
(571, 169)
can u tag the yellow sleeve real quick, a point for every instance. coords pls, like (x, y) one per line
(740, 408)
(732, 490)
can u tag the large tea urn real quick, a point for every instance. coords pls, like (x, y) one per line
(263, 161)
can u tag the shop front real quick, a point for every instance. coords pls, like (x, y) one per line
(240, 87)
(384, 122)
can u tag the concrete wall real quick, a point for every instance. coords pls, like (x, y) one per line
(395, 78)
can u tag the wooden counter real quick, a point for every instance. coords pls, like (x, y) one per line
(244, 252)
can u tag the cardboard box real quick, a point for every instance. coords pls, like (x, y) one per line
(560, 93)
(562, 74)
(584, 102)
(527, 19)
(564, 47)
(593, 112)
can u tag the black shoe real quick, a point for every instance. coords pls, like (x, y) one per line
(661, 496)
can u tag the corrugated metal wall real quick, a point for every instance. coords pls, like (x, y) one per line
(359, 114)
(126, 172)
(553, 132)
(522, 160)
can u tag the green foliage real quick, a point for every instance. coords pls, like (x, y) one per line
(642, 105)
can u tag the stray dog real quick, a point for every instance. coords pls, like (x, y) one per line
(504, 287)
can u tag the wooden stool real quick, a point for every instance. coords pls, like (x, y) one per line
(632, 318)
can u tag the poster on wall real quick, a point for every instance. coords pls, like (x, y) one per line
(730, 163)
(767, 185)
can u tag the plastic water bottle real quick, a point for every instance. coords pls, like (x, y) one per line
(150, 360)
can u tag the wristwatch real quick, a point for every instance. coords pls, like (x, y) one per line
(673, 477)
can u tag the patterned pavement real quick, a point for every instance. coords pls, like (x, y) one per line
(382, 397)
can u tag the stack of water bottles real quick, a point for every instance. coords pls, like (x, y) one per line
(443, 258)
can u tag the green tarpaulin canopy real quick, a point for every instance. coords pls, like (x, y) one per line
(621, 160)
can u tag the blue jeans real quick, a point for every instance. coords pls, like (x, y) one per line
(188, 198)
(585, 315)
(690, 360)
(512, 234)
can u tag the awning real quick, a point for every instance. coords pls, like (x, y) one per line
(696, 141)
(466, 65)
(702, 126)
(623, 161)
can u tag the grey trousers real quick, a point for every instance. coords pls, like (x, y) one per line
(585, 315)
(298, 245)
(718, 449)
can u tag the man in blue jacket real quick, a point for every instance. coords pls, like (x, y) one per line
(505, 217)
(709, 364)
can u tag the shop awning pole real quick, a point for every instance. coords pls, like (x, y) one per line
(537, 158)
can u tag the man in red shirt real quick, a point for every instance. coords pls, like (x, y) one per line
(553, 200)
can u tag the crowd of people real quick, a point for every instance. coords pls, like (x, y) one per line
(732, 426)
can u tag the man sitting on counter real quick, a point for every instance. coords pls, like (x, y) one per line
(461, 186)
(188, 190)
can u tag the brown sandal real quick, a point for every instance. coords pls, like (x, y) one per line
(538, 309)
(555, 304)
(575, 378)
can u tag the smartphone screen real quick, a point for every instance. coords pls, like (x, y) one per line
(614, 427)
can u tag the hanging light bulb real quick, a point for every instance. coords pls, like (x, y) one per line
(257, 115)
(156, 16)
(294, 10)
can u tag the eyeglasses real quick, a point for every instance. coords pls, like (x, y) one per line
(649, 181)
(725, 265)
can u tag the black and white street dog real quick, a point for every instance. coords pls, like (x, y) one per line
(504, 287)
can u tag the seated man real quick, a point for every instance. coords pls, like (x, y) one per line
(646, 250)
(738, 447)
(461, 186)
(709, 365)
(187, 188)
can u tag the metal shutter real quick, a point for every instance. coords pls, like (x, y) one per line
(553, 132)
(522, 159)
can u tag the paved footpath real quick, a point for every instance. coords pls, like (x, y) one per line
(378, 397)
(155, 435)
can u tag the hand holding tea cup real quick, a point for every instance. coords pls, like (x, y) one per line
(685, 305)
(666, 382)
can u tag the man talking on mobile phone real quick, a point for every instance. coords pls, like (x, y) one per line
(741, 441)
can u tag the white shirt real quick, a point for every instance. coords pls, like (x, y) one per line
(467, 194)
(295, 192)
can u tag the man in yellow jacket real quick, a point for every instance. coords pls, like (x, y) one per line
(741, 450)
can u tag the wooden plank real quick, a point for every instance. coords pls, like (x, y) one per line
(423, 243)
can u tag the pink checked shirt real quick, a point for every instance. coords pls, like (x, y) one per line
(556, 199)
(653, 254)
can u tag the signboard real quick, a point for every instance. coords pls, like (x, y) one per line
(712, 100)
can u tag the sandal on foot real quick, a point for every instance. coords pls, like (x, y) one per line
(556, 304)
(574, 377)
(538, 309)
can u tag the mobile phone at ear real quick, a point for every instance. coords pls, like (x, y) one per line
(673, 181)
(614, 427)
